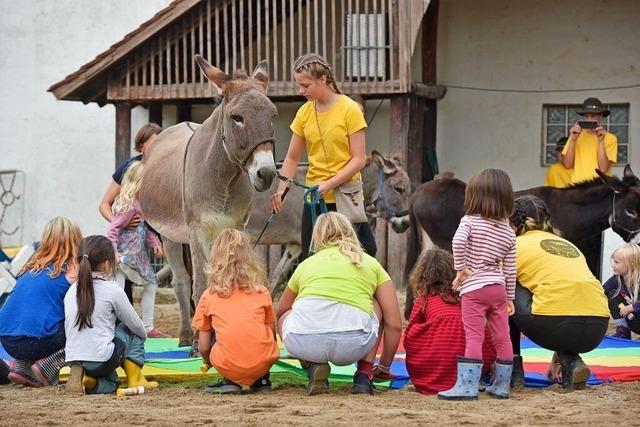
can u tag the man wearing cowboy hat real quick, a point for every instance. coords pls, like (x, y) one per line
(558, 176)
(588, 149)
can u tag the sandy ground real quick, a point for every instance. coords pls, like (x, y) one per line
(176, 404)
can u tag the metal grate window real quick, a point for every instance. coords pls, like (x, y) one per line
(558, 119)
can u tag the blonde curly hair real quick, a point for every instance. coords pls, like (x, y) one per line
(630, 252)
(130, 187)
(334, 229)
(233, 263)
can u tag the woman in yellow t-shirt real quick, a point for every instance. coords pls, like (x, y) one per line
(559, 304)
(331, 127)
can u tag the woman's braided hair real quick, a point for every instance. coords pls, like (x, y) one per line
(317, 66)
(531, 213)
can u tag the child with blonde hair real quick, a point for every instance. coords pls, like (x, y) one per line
(235, 317)
(622, 290)
(336, 307)
(129, 244)
(32, 319)
(484, 250)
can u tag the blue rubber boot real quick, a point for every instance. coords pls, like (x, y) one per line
(466, 387)
(502, 382)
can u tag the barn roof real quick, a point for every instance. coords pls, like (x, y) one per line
(88, 83)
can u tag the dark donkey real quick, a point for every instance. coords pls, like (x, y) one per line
(581, 212)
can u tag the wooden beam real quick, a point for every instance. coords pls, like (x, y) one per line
(123, 132)
(428, 91)
(429, 78)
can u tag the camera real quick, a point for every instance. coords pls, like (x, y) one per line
(587, 124)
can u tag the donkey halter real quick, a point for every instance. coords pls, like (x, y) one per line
(612, 222)
(389, 213)
(241, 162)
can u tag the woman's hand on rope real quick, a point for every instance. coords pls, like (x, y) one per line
(277, 202)
(324, 187)
(135, 221)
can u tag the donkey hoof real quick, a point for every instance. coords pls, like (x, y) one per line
(185, 341)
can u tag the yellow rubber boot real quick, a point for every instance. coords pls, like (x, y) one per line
(89, 383)
(135, 377)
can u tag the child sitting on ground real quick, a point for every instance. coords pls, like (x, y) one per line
(622, 290)
(95, 346)
(129, 243)
(235, 317)
(435, 334)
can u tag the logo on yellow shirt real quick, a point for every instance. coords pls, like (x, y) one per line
(559, 248)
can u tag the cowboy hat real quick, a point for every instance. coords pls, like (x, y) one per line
(593, 106)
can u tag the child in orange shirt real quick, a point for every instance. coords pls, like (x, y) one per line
(235, 317)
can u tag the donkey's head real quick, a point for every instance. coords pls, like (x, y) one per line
(625, 216)
(246, 116)
(394, 188)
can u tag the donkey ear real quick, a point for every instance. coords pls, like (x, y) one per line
(628, 173)
(613, 182)
(261, 73)
(386, 165)
(215, 75)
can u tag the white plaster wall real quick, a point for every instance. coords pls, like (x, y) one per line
(65, 148)
(519, 44)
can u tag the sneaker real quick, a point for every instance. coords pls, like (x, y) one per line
(622, 332)
(20, 373)
(361, 384)
(224, 386)
(318, 374)
(157, 333)
(262, 384)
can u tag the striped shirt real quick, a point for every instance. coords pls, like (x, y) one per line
(488, 247)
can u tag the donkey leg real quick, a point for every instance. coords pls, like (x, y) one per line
(181, 282)
(291, 253)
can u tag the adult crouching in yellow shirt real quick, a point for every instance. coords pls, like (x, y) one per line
(588, 149)
(559, 304)
(331, 127)
(558, 176)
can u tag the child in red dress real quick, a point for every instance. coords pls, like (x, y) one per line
(435, 334)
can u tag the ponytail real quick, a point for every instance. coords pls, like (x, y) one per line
(85, 296)
(94, 252)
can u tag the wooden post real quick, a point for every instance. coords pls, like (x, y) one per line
(155, 113)
(429, 55)
(405, 142)
(123, 131)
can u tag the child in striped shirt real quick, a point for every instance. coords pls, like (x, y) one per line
(484, 251)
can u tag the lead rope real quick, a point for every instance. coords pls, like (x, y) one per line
(311, 197)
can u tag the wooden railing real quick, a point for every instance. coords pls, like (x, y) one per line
(365, 40)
